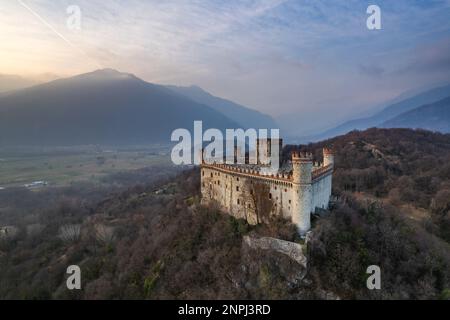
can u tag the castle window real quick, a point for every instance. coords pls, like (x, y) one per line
(237, 188)
(275, 187)
(285, 190)
(289, 201)
(251, 192)
(238, 201)
(211, 174)
(218, 182)
(203, 173)
(249, 206)
(270, 196)
(237, 179)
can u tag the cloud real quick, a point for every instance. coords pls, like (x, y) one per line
(371, 70)
(432, 57)
(279, 56)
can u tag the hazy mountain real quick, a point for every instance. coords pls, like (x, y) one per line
(10, 82)
(434, 117)
(246, 117)
(387, 113)
(101, 107)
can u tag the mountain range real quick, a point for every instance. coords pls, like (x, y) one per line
(245, 117)
(110, 107)
(13, 82)
(399, 111)
(434, 117)
(113, 108)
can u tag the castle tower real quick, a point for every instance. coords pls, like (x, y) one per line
(264, 150)
(239, 157)
(328, 157)
(200, 155)
(302, 165)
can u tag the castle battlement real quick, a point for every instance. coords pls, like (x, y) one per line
(294, 192)
(317, 172)
(301, 156)
(252, 174)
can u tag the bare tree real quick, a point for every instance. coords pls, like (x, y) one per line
(257, 194)
(104, 233)
(207, 188)
(70, 232)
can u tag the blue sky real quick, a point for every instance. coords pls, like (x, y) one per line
(314, 58)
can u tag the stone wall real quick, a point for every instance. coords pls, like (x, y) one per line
(321, 192)
(231, 189)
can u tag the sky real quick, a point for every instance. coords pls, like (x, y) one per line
(314, 62)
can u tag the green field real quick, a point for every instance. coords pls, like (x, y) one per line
(60, 167)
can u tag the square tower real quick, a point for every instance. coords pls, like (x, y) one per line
(264, 150)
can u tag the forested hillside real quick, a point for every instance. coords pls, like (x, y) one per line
(155, 241)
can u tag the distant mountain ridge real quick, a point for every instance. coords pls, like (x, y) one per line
(13, 82)
(101, 107)
(433, 117)
(246, 117)
(386, 114)
(110, 107)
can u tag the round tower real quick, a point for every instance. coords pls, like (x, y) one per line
(302, 165)
(328, 157)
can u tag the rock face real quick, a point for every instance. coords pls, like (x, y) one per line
(291, 249)
(274, 268)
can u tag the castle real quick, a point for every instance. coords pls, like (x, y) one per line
(245, 191)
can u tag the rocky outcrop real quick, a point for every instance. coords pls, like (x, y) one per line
(8, 232)
(291, 249)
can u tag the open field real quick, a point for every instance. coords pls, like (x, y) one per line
(61, 167)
